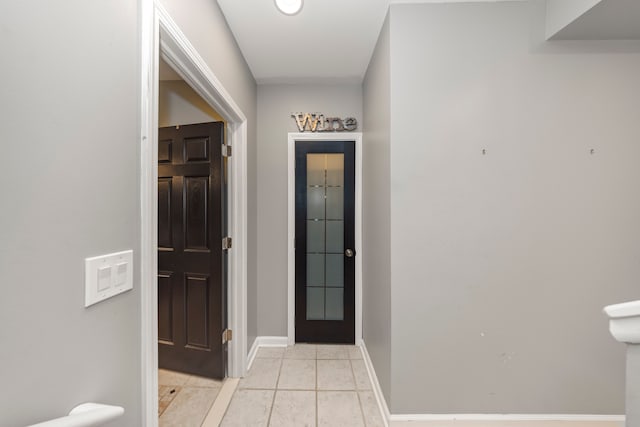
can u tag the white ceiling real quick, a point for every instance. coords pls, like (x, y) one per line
(328, 41)
(332, 40)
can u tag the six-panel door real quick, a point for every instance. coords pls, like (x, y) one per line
(191, 269)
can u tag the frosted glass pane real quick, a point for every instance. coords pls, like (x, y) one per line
(335, 203)
(315, 236)
(315, 303)
(334, 309)
(316, 169)
(335, 237)
(335, 169)
(315, 270)
(315, 203)
(335, 270)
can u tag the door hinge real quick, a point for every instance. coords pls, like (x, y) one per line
(227, 242)
(226, 150)
(227, 335)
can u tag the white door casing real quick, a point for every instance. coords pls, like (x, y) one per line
(160, 36)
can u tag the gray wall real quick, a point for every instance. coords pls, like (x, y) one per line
(179, 104)
(204, 25)
(376, 233)
(633, 386)
(70, 133)
(501, 263)
(276, 103)
(70, 190)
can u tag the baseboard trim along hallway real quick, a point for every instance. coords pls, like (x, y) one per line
(377, 390)
(483, 420)
(506, 420)
(456, 420)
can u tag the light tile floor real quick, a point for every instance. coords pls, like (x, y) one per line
(184, 400)
(305, 385)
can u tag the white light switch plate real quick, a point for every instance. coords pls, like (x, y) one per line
(107, 276)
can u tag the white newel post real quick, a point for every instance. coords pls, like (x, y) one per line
(624, 325)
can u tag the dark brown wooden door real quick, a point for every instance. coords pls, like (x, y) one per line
(191, 267)
(325, 239)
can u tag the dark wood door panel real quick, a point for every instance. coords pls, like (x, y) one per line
(164, 150)
(194, 169)
(197, 304)
(165, 307)
(196, 215)
(165, 229)
(196, 149)
(191, 311)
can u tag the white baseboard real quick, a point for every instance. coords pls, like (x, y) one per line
(528, 420)
(541, 420)
(377, 390)
(264, 342)
(507, 417)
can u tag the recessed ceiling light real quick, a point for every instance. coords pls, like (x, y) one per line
(289, 7)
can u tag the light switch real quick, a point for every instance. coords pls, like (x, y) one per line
(104, 278)
(107, 276)
(121, 274)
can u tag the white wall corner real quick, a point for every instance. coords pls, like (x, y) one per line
(264, 341)
(561, 13)
(252, 353)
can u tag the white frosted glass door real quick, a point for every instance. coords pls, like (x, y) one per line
(325, 236)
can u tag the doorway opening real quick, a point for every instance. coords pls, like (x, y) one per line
(192, 266)
(162, 39)
(192, 220)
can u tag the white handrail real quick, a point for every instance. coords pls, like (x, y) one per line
(85, 415)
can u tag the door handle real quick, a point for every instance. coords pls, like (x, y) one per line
(349, 253)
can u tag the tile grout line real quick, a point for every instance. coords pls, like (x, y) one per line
(316, 389)
(364, 418)
(353, 375)
(273, 400)
(355, 382)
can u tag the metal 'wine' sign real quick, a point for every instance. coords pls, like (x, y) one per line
(316, 122)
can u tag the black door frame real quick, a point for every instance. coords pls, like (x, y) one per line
(356, 137)
(325, 331)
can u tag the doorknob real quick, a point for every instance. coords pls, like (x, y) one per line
(349, 253)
